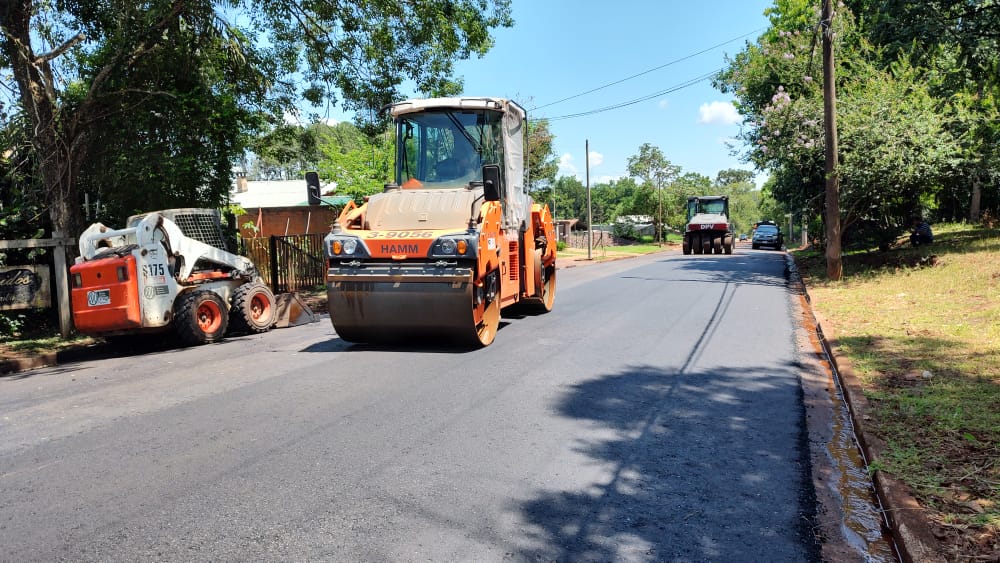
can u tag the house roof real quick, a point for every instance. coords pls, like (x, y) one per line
(279, 193)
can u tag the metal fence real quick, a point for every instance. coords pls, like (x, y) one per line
(288, 263)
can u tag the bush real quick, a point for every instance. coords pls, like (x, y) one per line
(624, 230)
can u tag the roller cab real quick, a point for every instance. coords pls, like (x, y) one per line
(453, 240)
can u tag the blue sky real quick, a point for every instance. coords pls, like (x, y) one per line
(562, 48)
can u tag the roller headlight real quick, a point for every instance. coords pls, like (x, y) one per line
(457, 246)
(350, 245)
(345, 247)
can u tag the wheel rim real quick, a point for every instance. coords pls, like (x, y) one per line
(260, 307)
(209, 317)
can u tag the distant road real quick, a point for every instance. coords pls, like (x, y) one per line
(654, 414)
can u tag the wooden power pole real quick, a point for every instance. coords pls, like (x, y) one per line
(834, 265)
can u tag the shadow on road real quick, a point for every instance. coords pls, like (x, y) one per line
(743, 269)
(701, 466)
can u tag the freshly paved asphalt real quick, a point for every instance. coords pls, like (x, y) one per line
(655, 414)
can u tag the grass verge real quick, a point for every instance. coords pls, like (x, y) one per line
(922, 328)
(609, 252)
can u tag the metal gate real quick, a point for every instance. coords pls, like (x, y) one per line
(288, 263)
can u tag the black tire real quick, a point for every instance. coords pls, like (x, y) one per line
(200, 317)
(686, 244)
(755, 246)
(252, 309)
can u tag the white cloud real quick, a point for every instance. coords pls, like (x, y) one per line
(566, 166)
(292, 118)
(719, 113)
(664, 104)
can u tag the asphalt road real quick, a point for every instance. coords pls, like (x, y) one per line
(655, 414)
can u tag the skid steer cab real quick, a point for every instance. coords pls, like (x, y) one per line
(167, 270)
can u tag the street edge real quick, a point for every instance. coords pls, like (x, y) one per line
(911, 532)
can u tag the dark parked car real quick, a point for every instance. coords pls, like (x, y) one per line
(767, 235)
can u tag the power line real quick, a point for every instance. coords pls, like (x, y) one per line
(672, 89)
(684, 58)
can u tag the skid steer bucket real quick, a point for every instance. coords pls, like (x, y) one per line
(293, 311)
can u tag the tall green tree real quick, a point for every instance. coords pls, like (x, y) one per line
(359, 165)
(543, 165)
(957, 41)
(896, 145)
(655, 173)
(83, 68)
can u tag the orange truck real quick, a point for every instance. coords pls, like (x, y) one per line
(453, 240)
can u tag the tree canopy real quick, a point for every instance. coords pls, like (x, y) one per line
(158, 99)
(917, 111)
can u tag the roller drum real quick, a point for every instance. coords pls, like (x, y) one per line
(379, 307)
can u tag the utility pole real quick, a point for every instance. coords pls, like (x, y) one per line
(590, 215)
(659, 191)
(834, 265)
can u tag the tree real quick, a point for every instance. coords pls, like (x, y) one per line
(735, 179)
(895, 142)
(543, 165)
(82, 67)
(570, 199)
(360, 166)
(655, 172)
(956, 40)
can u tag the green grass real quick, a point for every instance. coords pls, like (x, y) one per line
(906, 311)
(609, 252)
(38, 345)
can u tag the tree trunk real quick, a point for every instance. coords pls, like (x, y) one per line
(977, 197)
(52, 138)
(834, 265)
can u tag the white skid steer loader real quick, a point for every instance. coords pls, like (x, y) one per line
(167, 270)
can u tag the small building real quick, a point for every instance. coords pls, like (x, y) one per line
(281, 207)
(564, 227)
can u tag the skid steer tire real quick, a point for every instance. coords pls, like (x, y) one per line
(201, 317)
(252, 309)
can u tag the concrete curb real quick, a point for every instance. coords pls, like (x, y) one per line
(905, 517)
(10, 366)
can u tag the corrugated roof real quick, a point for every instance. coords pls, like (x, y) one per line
(280, 193)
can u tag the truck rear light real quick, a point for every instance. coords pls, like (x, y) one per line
(122, 273)
(77, 280)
